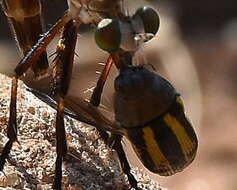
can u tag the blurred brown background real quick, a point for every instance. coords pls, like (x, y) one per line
(196, 48)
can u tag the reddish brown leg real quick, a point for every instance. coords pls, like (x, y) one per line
(62, 76)
(25, 20)
(120, 59)
(97, 92)
(31, 57)
(12, 126)
(96, 96)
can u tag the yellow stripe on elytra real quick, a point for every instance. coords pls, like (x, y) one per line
(153, 149)
(183, 138)
(179, 100)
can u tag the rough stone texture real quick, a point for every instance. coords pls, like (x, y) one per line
(89, 164)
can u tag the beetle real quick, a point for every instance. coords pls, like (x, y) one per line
(133, 32)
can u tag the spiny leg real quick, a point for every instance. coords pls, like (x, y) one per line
(115, 139)
(25, 20)
(30, 24)
(12, 128)
(26, 63)
(97, 92)
(121, 59)
(40, 47)
(61, 145)
(62, 75)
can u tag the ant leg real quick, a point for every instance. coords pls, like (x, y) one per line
(62, 75)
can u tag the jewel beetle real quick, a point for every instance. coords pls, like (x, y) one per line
(151, 113)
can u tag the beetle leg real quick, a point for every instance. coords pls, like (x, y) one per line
(62, 75)
(117, 145)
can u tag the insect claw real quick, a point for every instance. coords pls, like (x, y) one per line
(96, 96)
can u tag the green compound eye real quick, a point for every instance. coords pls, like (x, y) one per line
(150, 19)
(108, 34)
